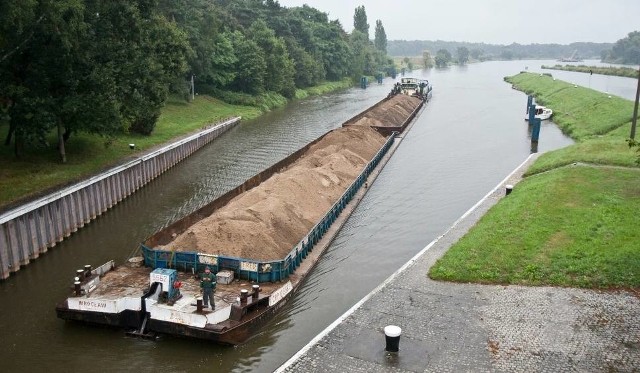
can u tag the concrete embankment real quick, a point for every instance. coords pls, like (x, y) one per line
(451, 327)
(31, 229)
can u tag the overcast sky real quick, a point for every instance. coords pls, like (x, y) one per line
(490, 21)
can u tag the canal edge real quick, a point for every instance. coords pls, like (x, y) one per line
(513, 178)
(29, 230)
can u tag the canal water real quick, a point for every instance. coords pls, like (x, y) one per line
(467, 139)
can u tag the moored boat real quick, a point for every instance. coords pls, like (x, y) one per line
(261, 240)
(541, 112)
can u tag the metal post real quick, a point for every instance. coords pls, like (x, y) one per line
(532, 113)
(193, 89)
(635, 109)
(535, 130)
(392, 338)
(529, 103)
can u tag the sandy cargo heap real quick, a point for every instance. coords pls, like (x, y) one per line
(265, 222)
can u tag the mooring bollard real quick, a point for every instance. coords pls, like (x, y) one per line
(244, 293)
(392, 338)
(80, 274)
(199, 304)
(87, 270)
(256, 292)
(77, 288)
(508, 189)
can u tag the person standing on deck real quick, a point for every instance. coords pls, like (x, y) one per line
(208, 285)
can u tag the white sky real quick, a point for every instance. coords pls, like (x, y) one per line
(490, 21)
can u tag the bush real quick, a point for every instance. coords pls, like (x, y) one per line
(144, 125)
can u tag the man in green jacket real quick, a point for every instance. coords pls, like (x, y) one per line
(208, 285)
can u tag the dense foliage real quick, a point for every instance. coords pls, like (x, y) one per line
(105, 67)
(625, 51)
(482, 51)
(443, 58)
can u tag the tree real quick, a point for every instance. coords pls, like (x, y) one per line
(335, 49)
(87, 66)
(476, 53)
(427, 60)
(280, 68)
(360, 21)
(627, 50)
(143, 52)
(506, 54)
(363, 55)
(463, 55)
(251, 69)
(308, 71)
(443, 57)
(380, 40)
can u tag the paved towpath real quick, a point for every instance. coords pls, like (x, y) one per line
(449, 327)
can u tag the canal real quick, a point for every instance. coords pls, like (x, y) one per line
(469, 137)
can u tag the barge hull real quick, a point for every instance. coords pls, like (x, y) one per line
(127, 319)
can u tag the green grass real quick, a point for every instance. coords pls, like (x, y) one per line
(579, 112)
(575, 226)
(609, 70)
(324, 88)
(39, 170)
(563, 225)
(609, 149)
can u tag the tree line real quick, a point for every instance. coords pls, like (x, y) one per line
(625, 50)
(483, 51)
(107, 66)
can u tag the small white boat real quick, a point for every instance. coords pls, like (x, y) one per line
(542, 113)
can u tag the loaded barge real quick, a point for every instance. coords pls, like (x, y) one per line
(260, 239)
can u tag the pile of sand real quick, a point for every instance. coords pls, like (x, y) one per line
(266, 222)
(391, 113)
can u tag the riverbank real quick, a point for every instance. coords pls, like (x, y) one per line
(572, 221)
(626, 72)
(38, 171)
(454, 327)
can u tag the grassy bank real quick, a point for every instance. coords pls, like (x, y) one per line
(324, 88)
(599, 123)
(626, 72)
(38, 171)
(563, 225)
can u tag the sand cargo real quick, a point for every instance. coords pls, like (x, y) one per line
(261, 239)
